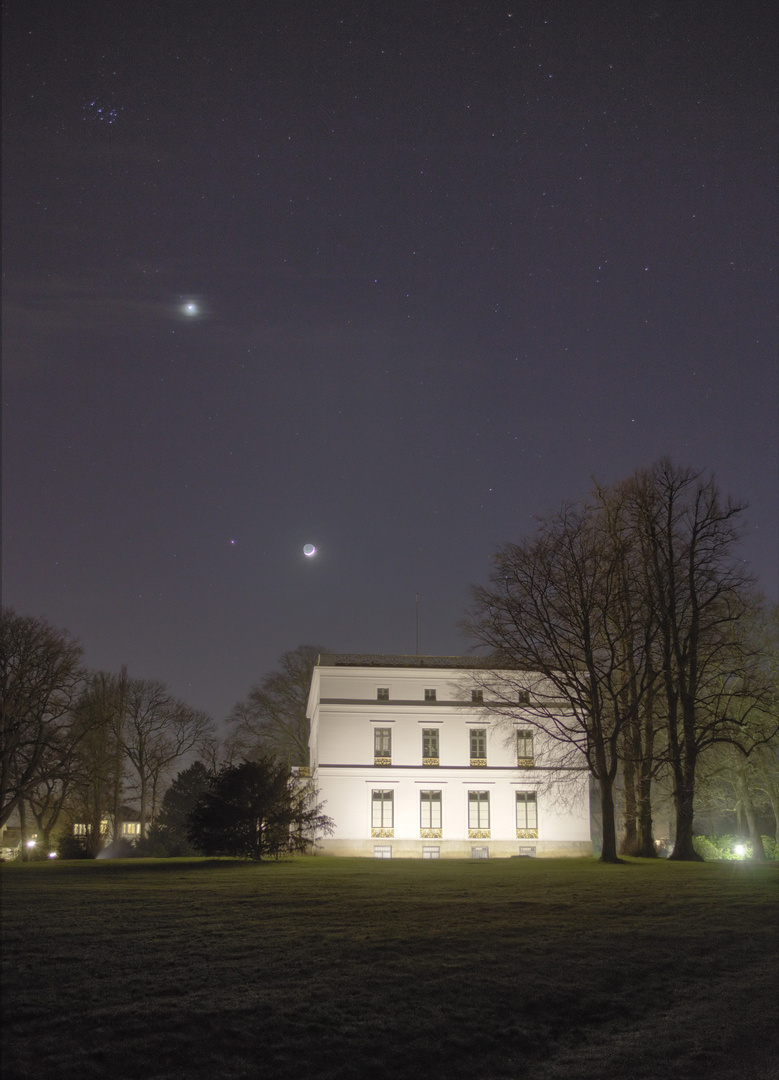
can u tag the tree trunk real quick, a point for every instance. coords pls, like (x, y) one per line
(683, 804)
(144, 801)
(629, 845)
(23, 830)
(609, 845)
(645, 846)
(758, 852)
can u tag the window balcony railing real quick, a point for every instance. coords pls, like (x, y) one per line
(431, 834)
(478, 834)
(382, 761)
(527, 834)
(382, 834)
(430, 761)
(479, 762)
(525, 762)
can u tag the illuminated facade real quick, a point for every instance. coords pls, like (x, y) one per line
(410, 763)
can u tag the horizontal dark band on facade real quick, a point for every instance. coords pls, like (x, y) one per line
(476, 705)
(475, 769)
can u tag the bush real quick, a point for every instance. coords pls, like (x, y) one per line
(713, 848)
(72, 847)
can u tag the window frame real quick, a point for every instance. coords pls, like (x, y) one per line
(477, 742)
(380, 825)
(526, 821)
(430, 742)
(481, 822)
(382, 746)
(430, 807)
(525, 742)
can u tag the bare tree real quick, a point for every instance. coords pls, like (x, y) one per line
(272, 719)
(557, 613)
(157, 732)
(702, 599)
(97, 777)
(40, 673)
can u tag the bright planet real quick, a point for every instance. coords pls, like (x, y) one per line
(309, 550)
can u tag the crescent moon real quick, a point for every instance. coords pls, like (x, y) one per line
(309, 550)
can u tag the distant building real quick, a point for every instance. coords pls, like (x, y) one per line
(410, 763)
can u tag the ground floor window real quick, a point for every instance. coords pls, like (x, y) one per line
(430, 809)
(382, 807)
(527, 815)
(382, 851)
(431, 853)
(478, 809)
(480, 853)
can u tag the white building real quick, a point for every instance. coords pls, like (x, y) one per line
(409, 763)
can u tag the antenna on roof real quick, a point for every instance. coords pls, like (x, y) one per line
(417, 652)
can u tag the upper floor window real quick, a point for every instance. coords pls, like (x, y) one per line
(429, 695)
(477, 696)
(523, 697)
(382, 693)
(478, 746)
(430, 744)
(524, 747)
(382, 743)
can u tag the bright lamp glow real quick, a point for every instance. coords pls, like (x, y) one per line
(739, 849)
(31, 843)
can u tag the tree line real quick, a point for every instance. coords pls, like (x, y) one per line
(652, 645)
(77, 746)
(92, 750)
(627, 626)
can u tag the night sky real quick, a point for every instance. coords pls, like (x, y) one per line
(393, 279)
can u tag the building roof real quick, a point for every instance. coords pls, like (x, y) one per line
(400, 660)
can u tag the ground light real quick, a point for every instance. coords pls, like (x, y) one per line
(739, 850)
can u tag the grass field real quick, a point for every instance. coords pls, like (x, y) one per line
(318, 968)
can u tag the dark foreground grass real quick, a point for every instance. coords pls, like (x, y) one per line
(328, 968)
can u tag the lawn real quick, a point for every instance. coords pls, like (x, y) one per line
(330, 968)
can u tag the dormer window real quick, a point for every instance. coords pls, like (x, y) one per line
(477, 696)
(382, 693)
(429, 695)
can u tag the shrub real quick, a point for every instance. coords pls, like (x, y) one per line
(72, 847)
(713, 848)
